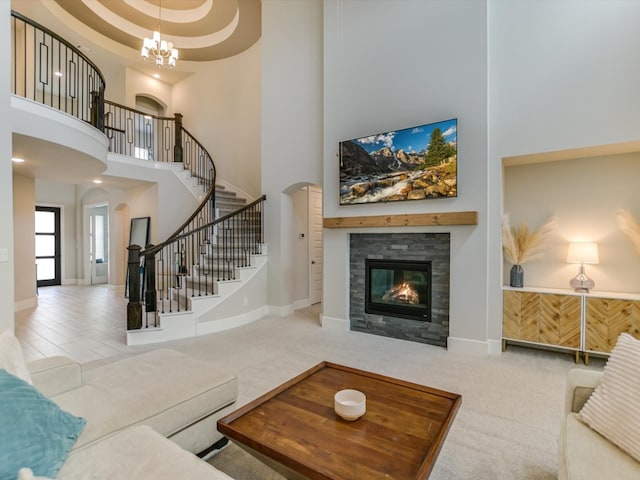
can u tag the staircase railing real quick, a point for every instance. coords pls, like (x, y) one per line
(49, 70)
(163, 139)
(191, 264)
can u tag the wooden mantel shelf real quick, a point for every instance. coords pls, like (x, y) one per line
(406, 220)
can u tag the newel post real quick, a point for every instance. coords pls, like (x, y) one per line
(134, 307)
(150, 303)
(177, 147)
(97, 109)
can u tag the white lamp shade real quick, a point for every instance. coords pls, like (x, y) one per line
(583, 252)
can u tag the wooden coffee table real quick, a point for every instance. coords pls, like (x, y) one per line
(295, 430)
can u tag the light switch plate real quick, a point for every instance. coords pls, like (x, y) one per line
(4, 255)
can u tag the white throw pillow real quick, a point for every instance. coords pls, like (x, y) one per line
(27, 474)
(613, 410)
(11, 357)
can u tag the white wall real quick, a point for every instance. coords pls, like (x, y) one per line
(24, 197)
(377, 79)
(6, 182)
(563, 75)
(169, 201)
(137, 83)
(291, 127)
(221, 108)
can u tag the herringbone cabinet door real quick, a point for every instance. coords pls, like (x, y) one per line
(560, 320)
(519, 316)
(607, 318)
(552, 319)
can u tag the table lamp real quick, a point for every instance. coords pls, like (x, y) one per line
(582, 253)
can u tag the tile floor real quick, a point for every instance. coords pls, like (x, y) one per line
(84, 323)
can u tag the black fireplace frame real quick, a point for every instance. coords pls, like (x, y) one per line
(396, 310)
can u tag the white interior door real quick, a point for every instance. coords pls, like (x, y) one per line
(99, 243)
(315, 244)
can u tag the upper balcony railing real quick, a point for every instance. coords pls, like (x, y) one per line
(48, 70)
(163, 139)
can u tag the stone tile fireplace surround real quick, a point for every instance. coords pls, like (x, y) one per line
(433, 247)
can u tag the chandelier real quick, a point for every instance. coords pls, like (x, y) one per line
(157, 50)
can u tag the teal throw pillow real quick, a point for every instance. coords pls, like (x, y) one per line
(34, 431)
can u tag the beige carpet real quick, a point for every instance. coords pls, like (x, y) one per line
(237, 463)
(506, 429)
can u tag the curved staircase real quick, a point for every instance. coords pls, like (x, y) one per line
(208, 275)
(223, 288)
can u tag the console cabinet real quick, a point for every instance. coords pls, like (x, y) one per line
(549, 319)
(580, 322)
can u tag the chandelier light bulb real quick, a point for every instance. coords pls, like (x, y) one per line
(159, 51)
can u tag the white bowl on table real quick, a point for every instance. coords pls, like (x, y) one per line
(350, 404)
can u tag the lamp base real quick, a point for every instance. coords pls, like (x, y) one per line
(580, 289)
(581, 283)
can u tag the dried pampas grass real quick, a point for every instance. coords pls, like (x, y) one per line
(521, 245)
(630, 227)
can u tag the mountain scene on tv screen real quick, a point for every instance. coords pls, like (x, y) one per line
(410, 164)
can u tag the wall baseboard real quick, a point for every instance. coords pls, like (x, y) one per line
(475, 348)
(24, 304)
(283, 311)
(331, 323)
(299, 304)
(494, 347)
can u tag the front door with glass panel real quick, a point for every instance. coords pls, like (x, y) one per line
(48, 265)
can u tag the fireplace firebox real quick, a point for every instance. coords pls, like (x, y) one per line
(398, 288)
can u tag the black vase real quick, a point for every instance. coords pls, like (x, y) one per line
(517, 276)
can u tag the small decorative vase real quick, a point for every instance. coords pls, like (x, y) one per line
(517, 276)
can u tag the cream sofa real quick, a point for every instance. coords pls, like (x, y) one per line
(146, 415)
(585, 454)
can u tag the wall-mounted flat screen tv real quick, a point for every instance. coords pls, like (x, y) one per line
(410, 164)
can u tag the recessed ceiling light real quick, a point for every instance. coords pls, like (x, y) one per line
(97, 181)
(17, 160)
